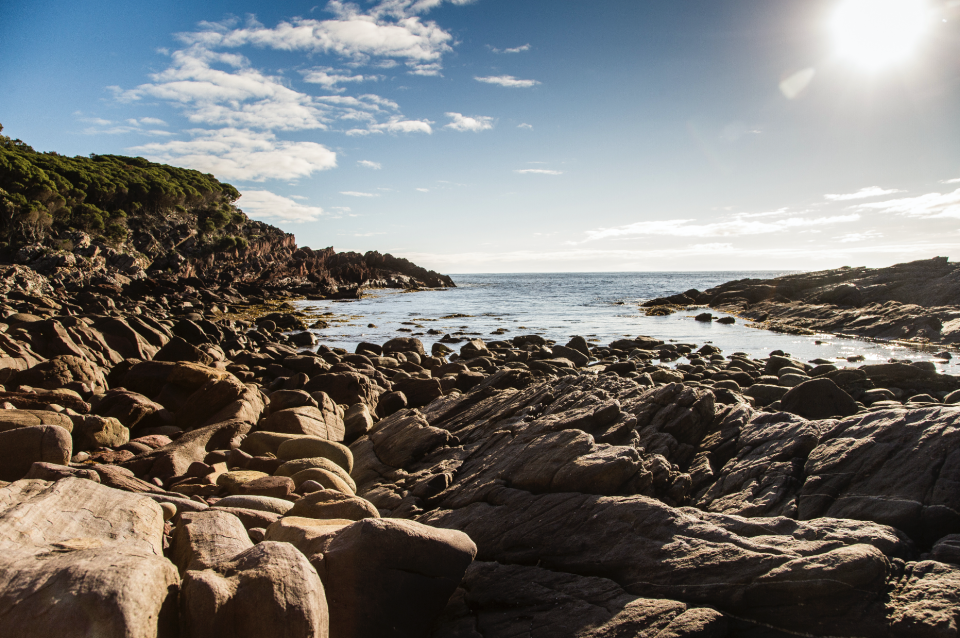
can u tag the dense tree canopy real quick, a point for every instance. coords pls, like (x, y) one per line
(96, 194)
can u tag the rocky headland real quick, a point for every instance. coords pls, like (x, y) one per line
(179, 457)
(917, 303)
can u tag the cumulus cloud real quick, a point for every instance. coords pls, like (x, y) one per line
(354, 35)
(506, 80)
(239, 154)
(951, 181)
(731, 228)
(525, 125)
(931, 205)
(237, 96)
(358, 194)
(395, 124)
(537, 171)
(462, 122)
(368, 164)
(863, 193)
(261, 204)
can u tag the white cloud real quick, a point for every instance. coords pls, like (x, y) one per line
(240, 96)
(368, 164)
(266, 205)
(404, 8)
(133, 125)
(424, 190)
(520, 49)
(732, 228)
(537, 171)
(931, 205)
(239, 154)
(951, 181)
(464, 123)
(863, 193)
(351, 34)
(399, 125)
(358, 194)
(855, 237)
(506, 80)
(328, 78)
(525, 125)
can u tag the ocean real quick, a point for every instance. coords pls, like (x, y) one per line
(601, 307)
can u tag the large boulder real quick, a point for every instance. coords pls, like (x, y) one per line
(66, 371)
(20, 448)
(175, 458)
(306, 420)
(403, 570)
(204, 539)
(818, 399)
(346, 388)
(268, 590)
(78, 559)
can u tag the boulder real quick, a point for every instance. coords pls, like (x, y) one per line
(204, 539)
(306, 420)
(418, 392)
(268, 590)
(258, 503)
(818, 398)
(403, 344)
(346, 388)
(174, 459)
(20, 448)
(11, 419)
(179, 349)
(54, 472)
(404, 570)
(80, 559)
(132, 409)
(312, 447)
(333, 504)
(91, 432)
(357, 421)
(66, 371)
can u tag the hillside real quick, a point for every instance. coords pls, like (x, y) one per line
(108, 217)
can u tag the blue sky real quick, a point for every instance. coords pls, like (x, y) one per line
(524, 135)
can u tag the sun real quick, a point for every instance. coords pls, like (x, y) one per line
(876, 34)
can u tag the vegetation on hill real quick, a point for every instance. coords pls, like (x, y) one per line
(44, 196)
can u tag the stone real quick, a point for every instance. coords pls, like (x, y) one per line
(346, 388)
(286, 399)
(357, 421)
(280, 487)
(765, 394)
(505, 600)
(203, 539)
(65, 371)
(404, 570)
(418, 392)
(320, 470)
(20, 448)
(818, 398)
(132, 409)
(258, 503)
(91, 432)
(390, 403)
(179, 349)
(74, 546)
(205, 402)
(233, 481)
(267, 587)
(306, 420)
(578, 357)
(260, 443)
(311, 447)
(54, 472)
(334, 505)
(11, 419)
(174, 459)
(403, 344)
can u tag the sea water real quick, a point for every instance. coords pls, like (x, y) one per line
(601, 307)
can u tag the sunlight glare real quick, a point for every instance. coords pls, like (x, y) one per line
(874, 34)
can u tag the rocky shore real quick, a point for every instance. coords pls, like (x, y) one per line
(917, 303)
(180, 459)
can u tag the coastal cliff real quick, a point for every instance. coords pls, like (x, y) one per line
(111, 220)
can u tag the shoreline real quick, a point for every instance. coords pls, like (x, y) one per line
(225, 446)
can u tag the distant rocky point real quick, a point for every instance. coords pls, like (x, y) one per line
(112, 220)
(916, 302)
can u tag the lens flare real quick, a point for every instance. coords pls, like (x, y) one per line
(875, 34)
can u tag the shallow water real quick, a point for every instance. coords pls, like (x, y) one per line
(599, 306)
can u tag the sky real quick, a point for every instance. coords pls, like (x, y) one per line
(526, 135)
